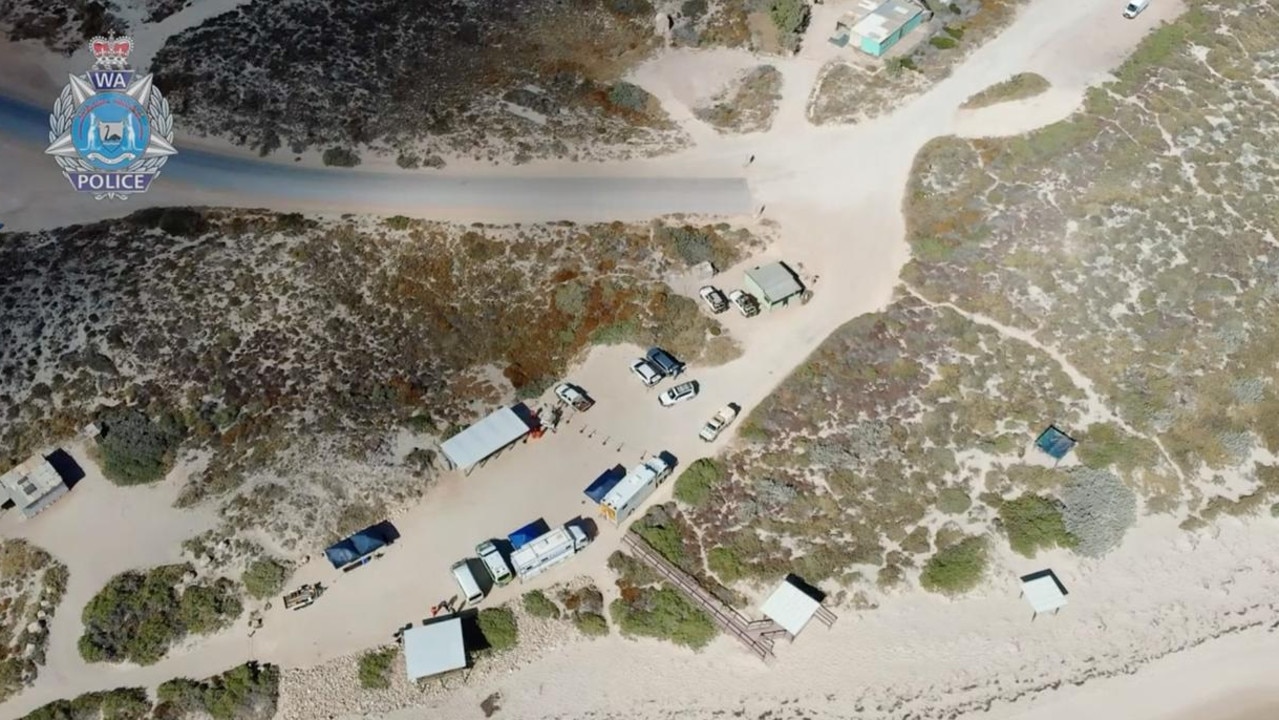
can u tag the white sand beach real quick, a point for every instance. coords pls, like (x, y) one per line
(1168, 627)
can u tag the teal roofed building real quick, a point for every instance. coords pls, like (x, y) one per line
(877, 26)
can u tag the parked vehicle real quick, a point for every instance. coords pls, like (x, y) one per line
(745, 302)
(665, 362)
(714, 299)
(722, 419)
(466, 581)
(679, 393)
(548, 550)
(647, 372)
(1134, 8)
(494, 563)
(627, 495)
(302, 597)
(575, 396)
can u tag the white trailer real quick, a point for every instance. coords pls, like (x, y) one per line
(548, 550)
(631, 492)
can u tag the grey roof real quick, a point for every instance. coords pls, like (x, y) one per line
(501, 428)
(775, 281)
(31, 482)
(434, 649)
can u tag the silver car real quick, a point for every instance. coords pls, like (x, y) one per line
(679, 393)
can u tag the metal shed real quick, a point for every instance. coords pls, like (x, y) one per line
(33, 486)
(774, 284)
(434, 649)
(487, 437)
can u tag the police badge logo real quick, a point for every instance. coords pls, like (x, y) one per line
(110, 133)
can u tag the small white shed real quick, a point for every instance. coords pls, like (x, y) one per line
(1043, 591)
(434, 649)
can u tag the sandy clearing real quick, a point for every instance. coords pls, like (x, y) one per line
(836, 192)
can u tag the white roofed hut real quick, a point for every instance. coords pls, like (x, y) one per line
(434, 649)
(793, 604)
(1044, 592)
(499, 430)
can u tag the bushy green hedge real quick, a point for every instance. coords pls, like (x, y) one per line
(135, 449)
(665, 614)
(694, 485)
(499, 628)
(1033, 522)
(118, 704)
(137, 616)
(245, 692)
(957, 568)
(591, 624)
(538, 605)
(375, 668)
(265, 577)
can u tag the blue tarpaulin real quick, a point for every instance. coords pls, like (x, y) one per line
(528, 533)
(1055, 442)
(611, 477)
(362, 544)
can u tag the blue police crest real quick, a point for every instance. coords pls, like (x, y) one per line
(109, 132)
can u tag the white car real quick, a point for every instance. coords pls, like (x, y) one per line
(1134, 8)
(647, 372)
(722, 419)
(745, 302)
(575, 396)
(714, 299)
(679, 393)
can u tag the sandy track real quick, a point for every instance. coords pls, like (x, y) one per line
(837, 193)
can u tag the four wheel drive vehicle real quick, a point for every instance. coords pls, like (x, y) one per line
(679, 393)
(466, 580)
(302, 597)
(665, 362)
(494, 563)
(1134, 8)
(722, 419)
(575, 396)
(715, 299)
(745, 302)
(647, 372)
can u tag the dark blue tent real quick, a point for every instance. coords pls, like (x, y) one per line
(358, 546)
(528, 533)
(609, 480)
(1055, 442)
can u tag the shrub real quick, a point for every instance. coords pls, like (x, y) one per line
(136, 616)
(135, 449)
(591, 624)
(375, 668)
(955, 9)
(957, 568)
(694, 485)
(1098, 510)
(499, 628)
(538, 605)
(629, 96)
(264, 577)
(117, 704)
(408, 161)
(725, 563)
(340, 157)
(790, 16)
(666, 539)
(953, 501)
(665, 614)
(954, 31)
(243, 692)
(943, 43)
(1033, 522)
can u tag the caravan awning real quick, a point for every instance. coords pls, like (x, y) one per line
(362, 544)
(479, 441)
(604, 483)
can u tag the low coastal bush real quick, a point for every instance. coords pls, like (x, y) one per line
(942, 42)
(245, 692)
(137, 616)
(1017, 87)
(955, 569)
(694, 485)
(117, 704)
(375, 668)
(1098, 509)
(538, 605)
(662, 613)
(1034, 522)
(954, 501)
(499, 628)
(591, 624)
(136, 449)
(264, 577)
(340, 157)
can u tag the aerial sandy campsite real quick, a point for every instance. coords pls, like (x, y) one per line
(771, 359)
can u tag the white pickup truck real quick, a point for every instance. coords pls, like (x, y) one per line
(722, 419)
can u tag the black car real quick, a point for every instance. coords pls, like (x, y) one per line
(665, 362)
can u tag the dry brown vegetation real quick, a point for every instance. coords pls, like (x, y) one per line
(1017, 87)
(31, 587)
(748, 104)
(263, 335)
